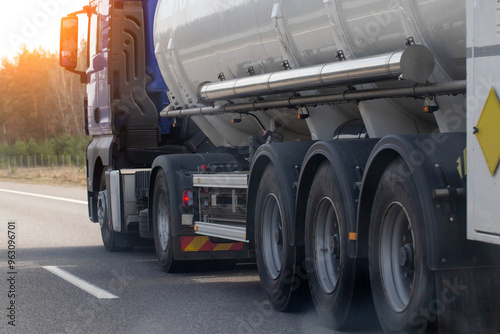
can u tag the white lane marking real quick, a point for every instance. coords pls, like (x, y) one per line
(77, 281)
(44, 196)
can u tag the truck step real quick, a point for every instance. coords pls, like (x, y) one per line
(228, 231)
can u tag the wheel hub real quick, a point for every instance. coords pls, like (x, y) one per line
(277, 236)
(406, 256)
(163, 220)
(334, 245)
(327, 248)
(396, 254)
(272, 236)
(102, 211)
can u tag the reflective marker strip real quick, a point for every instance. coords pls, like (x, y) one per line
(78, 282)
(195, 244)
(44, 196)
(203, 244)
(223, 247)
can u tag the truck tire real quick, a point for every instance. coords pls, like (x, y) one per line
(108, 235)
(162, 225)
(403, 286)
(275, 257)
(331, 273)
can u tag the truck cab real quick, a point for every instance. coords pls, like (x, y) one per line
(125, 93)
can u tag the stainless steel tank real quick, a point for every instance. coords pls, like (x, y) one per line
(197, 41)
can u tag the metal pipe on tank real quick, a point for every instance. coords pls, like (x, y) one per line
(418, 90)
(415, 63)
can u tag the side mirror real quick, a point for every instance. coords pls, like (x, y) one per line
(68, 47)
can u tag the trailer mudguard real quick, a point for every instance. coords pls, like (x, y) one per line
(288, 159)
(348, 158)
(436, 162)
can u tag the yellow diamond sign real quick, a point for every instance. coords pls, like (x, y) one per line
(488, 131)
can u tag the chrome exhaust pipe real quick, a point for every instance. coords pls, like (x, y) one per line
(415, 63)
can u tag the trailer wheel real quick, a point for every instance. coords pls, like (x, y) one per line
(275, 257)
(331, 273)
(403, 287)
(108, 235)
(162, 225)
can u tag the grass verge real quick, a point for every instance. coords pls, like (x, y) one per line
(65, 176)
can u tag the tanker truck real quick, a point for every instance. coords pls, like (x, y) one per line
(349, 147)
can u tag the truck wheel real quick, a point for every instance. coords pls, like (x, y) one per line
(108, 235)
(331, 273)
(275, 257)
(162, 225)
(403, 287)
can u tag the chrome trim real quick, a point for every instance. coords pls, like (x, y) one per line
(230, 232)
(415, 63)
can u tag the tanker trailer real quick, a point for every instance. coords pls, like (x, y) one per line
(327, 138)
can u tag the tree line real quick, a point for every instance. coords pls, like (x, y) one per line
(65, 145)
(40, 102)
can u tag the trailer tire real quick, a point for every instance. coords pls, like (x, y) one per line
(162, 225)
(274, 254)
(331, 273)
(403, 286)
(108, 235)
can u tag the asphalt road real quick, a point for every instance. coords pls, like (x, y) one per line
(54, 230)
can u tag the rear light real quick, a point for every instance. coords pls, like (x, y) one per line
(187, 198)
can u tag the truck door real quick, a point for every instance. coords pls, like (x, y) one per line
(99, 116)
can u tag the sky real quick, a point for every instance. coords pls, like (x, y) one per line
(34, 23)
